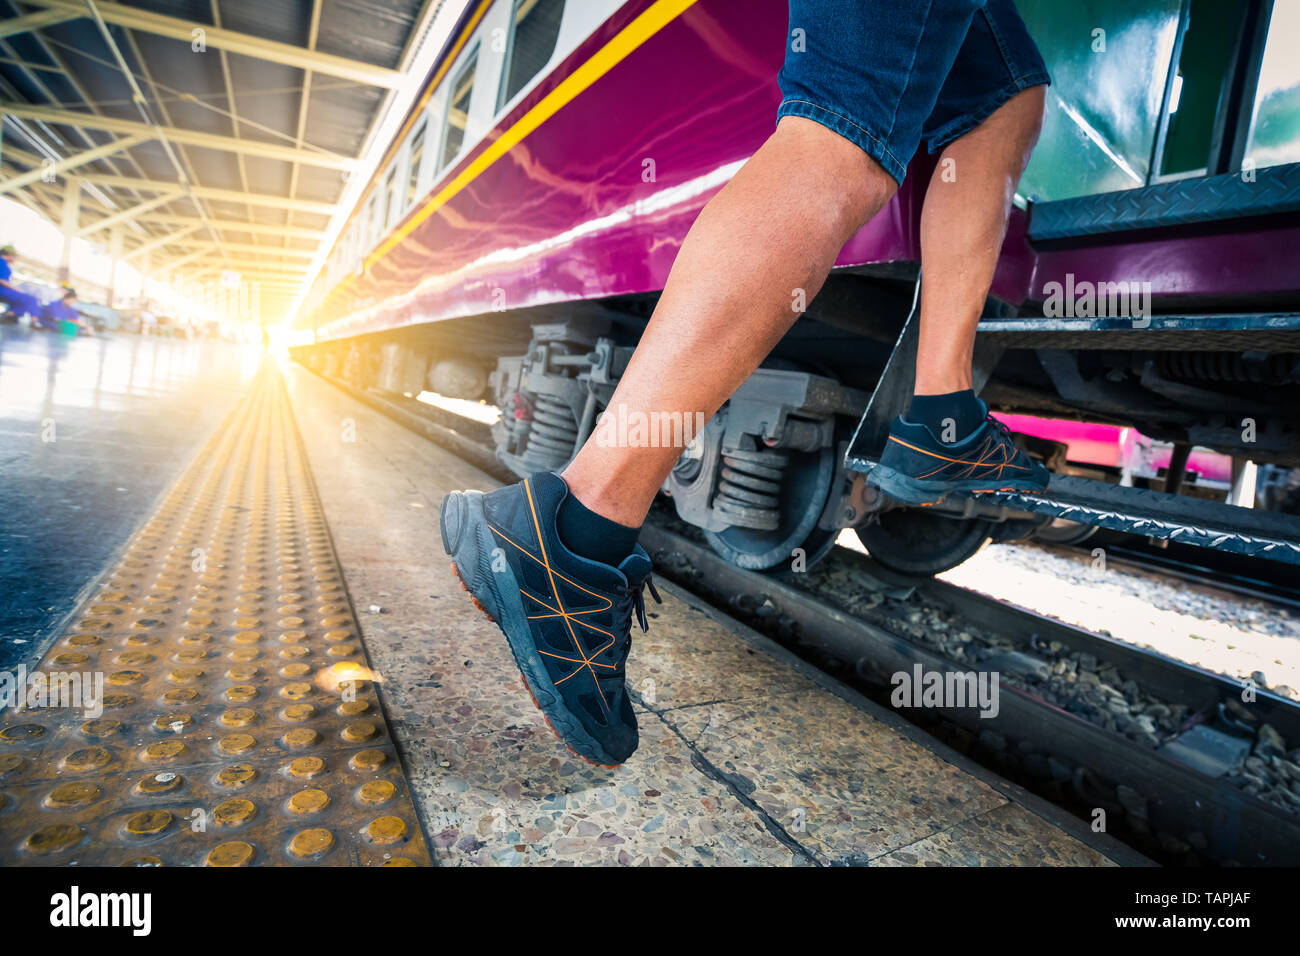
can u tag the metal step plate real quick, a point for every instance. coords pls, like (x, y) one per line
(1207, 524)
(1278, 331)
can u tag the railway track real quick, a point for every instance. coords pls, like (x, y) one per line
(1114, 765)
(1194, 565)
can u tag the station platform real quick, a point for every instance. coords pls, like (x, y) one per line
(294, 677)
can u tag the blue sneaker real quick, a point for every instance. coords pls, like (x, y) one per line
(918, 468)
(567, 619)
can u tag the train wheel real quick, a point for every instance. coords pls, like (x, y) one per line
(805, 489)
(1060, 531)
(916, 542)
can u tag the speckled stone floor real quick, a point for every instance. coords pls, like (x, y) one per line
(747, 755)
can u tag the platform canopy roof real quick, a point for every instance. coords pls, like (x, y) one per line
(217, 135)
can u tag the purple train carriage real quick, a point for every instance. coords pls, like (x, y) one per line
(514, 242)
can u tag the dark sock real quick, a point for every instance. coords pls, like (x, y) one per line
(593, 536)
(965, 411)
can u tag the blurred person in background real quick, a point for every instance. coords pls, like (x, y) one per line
(63, 309)
(18, 302)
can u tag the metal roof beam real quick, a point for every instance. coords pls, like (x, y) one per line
(234, 42)
(54, 168)
(177, 261)
(213, 193)
(235, 225)
(230, 144)
(133, 212)
(35, 21)
(263, 252)
(167, 240)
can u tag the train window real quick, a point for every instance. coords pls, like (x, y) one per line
(534, 28)
(1211, 34)
(1109, 65)
(1275, 126)
(374, 220)
(387, 212)
(413, 165)
(458, 110)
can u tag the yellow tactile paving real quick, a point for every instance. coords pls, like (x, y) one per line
(238, 726)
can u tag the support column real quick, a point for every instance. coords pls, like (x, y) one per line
(69, 224)
(114, 257)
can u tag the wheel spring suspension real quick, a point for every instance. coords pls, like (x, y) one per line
(553, 437)
(749, 488)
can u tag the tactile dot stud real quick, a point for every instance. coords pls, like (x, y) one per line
(294, 671)
(296, 690)
(68, 795)
(243, 672)
(297, 713)
(376, 792)
(101, 727)
(11, 764)
(173, 723)
(234, 853)
(154, 784)
(311, 844)
(235, 776)
(353, 708)
(385, 831)
(239, 717)
(124, 678)
(300, 738)
(237, 744)
(18, 733)
(87, 758)
(241, 693)
(182, 695)
(368, 760)
(149, 823)
(165, 750)
(306, 768)
(53, 838)
(70, 659)
(309, 801)
(234, 813)
(358, 731)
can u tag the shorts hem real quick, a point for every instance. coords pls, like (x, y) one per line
(955, 129)
(868, 142)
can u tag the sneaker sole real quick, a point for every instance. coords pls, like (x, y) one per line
(461, 521)
(923, 492)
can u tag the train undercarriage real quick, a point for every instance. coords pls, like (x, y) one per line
(765, 480)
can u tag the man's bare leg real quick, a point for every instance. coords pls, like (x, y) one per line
(962, 227)
(776, 228)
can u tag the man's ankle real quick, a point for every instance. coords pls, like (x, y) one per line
(951, 416)
(591, 535)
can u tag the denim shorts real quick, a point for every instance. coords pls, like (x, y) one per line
(886, 73)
